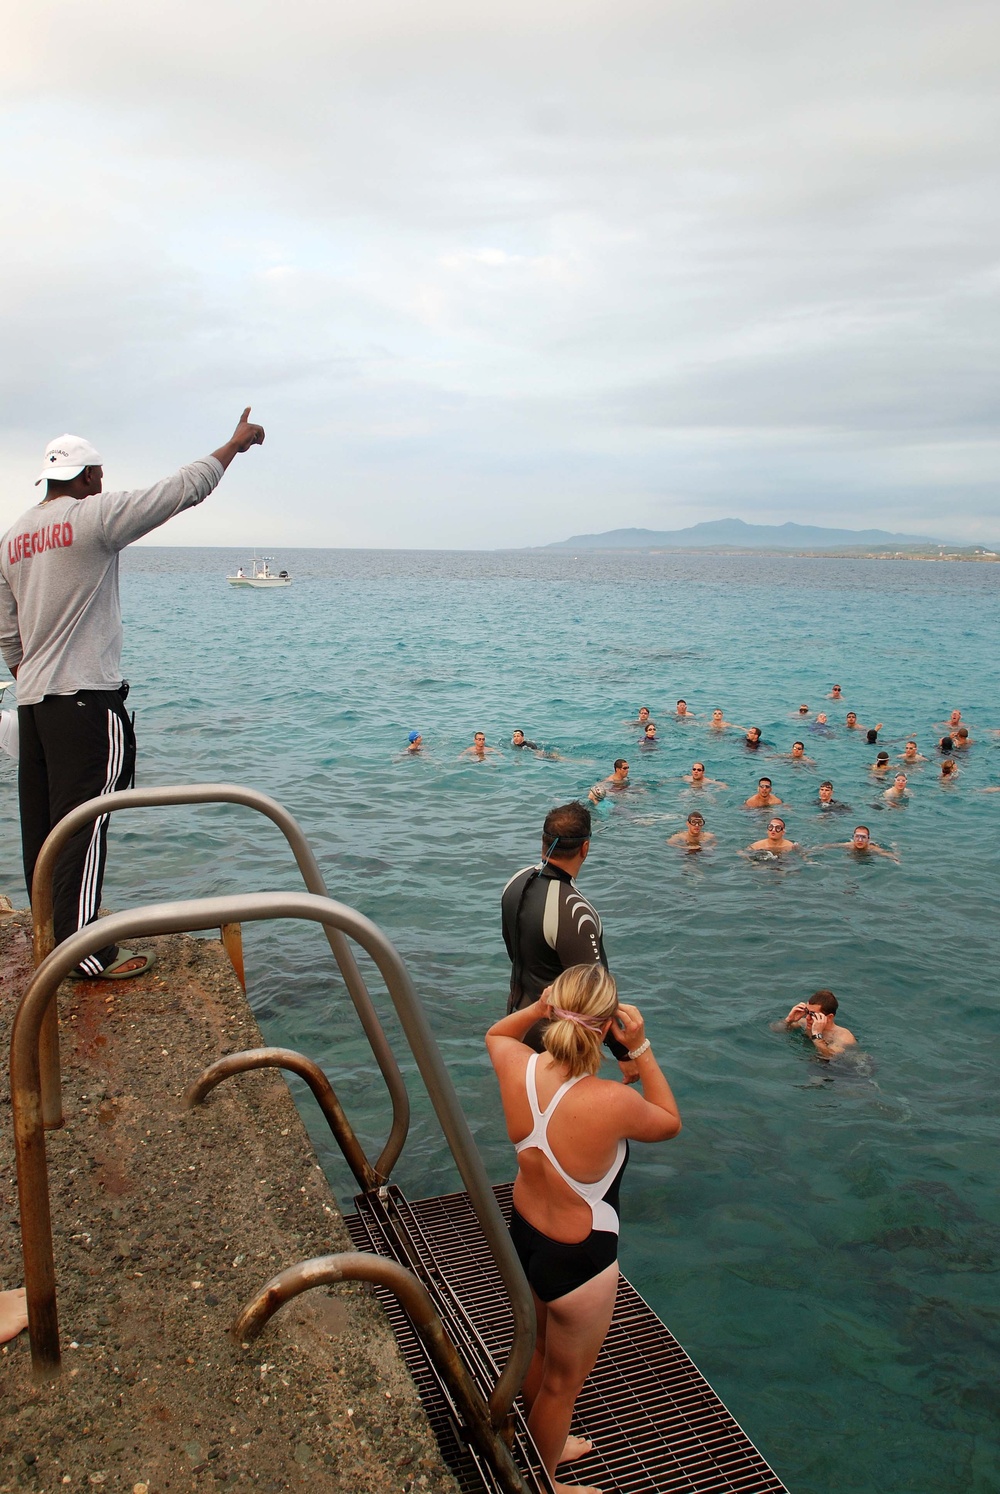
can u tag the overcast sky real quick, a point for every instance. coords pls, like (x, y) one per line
(495, 274)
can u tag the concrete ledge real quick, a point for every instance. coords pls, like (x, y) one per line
(165, 1220)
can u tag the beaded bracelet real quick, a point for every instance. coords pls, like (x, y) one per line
(635, 1053)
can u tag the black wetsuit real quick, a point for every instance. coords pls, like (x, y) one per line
(548, 925)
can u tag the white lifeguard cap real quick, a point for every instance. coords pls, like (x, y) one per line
(66, 457)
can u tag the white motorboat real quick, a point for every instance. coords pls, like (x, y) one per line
(260, 574)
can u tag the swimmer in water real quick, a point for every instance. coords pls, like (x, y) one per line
(683, 712)
(817, 1019)
(949, 770)
(861, 845)
(414, 742)
(520, 740)
(821, 726)
(962, 739)
(798, 755)
(835, 694)
(775, 841)
(803, 710)
(695, 836)
(648, 738)
(953, 722)
(614, 783)
(719, 723)
(871, 736)
(898, 793)
(881, 765)
(642, 719)
(479, 748)
(946, 745)
(827, 802)
(696, 778)
(763, 798)
(853, 724)
(910, 753)
(752, 739)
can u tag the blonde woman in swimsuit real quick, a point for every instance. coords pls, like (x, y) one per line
(571, 1131)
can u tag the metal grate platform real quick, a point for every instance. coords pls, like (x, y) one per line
(657, 1425)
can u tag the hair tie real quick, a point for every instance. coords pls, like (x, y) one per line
(592, 1024)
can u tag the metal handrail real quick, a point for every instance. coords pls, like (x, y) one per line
(207, 913)
(416, 1302)
(297, 1063)
(43, 933)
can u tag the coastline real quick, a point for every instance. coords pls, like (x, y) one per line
(165, 1221)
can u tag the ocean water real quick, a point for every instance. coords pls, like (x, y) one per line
(823, 1239)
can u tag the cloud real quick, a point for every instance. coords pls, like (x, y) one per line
(517, 272)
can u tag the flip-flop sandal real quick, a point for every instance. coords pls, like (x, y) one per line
(114, 970)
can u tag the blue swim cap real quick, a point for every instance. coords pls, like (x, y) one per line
(413, 736)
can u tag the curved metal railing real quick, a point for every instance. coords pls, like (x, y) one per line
(43, 934)
(205, 913)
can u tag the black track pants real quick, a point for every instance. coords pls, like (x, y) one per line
(73, 747)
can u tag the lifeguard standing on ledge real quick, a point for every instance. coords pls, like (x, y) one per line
(61, 638)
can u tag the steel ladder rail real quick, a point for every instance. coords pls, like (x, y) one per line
(43, 932)
(206, 913)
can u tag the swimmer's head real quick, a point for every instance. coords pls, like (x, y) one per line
(643, 714)
(586, 992)
(821, 719)
(946, 744)
(948, 767)
(763, 785)
(852, 718)
(862, 835)
(776, 827)
(621, 765)
(753, 735)
(697, 770)
(479, 739)
(824, 1002)
(962, 735)
(803, 710)
(798, 749)
(836, 689)
(696, 820)
(883, 757)
(955, 718)
(518, 737)
(566, 829)
(650, 730)
(899, 781)
(413, 737)
(597, 793)
(825, 792)
(871, 736)
(682, 704)
(716, 715)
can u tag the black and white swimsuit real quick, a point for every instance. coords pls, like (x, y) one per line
(555, 1267)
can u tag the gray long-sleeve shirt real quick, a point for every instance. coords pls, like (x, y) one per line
(60, 614)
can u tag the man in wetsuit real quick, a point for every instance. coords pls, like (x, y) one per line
(61, 637)
(548, 925)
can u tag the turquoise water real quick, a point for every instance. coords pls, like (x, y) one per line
(824, 1241)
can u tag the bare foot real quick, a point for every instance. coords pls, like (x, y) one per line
(576, 1447)
(13, 1314)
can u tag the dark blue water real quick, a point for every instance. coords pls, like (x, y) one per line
(824, 1241)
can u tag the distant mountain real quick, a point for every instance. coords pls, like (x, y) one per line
(734, 533)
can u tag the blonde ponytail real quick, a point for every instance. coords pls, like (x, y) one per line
(583, 998)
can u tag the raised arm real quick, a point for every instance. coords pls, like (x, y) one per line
(244, 436)
(653, 1115)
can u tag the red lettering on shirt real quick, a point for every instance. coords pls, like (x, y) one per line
(51, 537)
